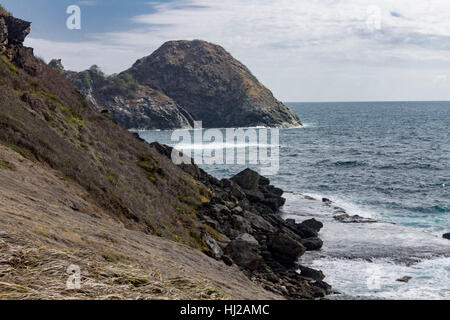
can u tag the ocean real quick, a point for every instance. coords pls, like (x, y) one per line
(389, 161)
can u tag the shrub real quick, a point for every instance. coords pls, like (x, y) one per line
(10, 65)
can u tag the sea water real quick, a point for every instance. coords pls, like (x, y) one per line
(389, 161)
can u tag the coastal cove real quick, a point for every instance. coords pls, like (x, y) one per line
(361, 156)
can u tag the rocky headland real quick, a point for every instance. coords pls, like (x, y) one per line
(181, 82)
(78, 189)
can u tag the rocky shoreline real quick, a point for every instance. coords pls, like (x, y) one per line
(242, 226)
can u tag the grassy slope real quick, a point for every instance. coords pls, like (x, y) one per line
(47, 224)
(47, 120)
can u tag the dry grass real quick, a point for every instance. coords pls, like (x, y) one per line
(41, 234)
(4, 12)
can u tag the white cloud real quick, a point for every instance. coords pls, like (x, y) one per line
(302, 49)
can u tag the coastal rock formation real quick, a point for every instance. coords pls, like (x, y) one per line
(132, 105)
(446, 236)
(243, 220)
(78, 188)
(212, 86)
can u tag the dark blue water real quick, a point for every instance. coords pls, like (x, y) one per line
(392, 159)
(384, 159)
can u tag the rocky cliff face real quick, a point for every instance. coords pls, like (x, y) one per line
(74, 181)
(246, 229)
(132, 105)
(183, 81)
(213, 86)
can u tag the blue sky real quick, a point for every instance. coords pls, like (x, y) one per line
(303, 50)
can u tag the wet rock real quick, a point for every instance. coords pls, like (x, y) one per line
(312, 244)
(326, 201)
(311, 273)
(346, 218)
(313, 224)
(301, 229)
(446, 236)
(404, 279)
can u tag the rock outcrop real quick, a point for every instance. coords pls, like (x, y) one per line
(242, 226)
(212, 86)
(13, 32)
(132, 105)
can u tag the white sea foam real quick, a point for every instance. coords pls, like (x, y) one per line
(378, 278)
(364, 260)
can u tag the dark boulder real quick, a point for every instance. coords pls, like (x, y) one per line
(245, 252)
(313, 224)
(247, 179)
(285, 249)
(446, 236)
(301, 229)
(404, 279)
(346, 218)
(254, 196)
(311, 273)
(312, 244)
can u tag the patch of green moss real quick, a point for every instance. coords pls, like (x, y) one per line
(82, 145)
(24, 153)
(54, 100)
(112, 179)
(214, 233)
(11, 67)
(149, 168)
(110, 117)
(7, 165)
(77, 121)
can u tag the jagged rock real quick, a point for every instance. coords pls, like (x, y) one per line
(446, 236)
(212, 86)
(56, 64)
(241, 224)
(285, 249)
(301, 229)
(312, 244)
(215, 250)
(404, 279)
(247, 179)
(132, 105)
(346, 218)
(254, 196)
(245, 253)
(313, 224)
(311, 273)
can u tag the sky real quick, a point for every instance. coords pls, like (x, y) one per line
(303, 50)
